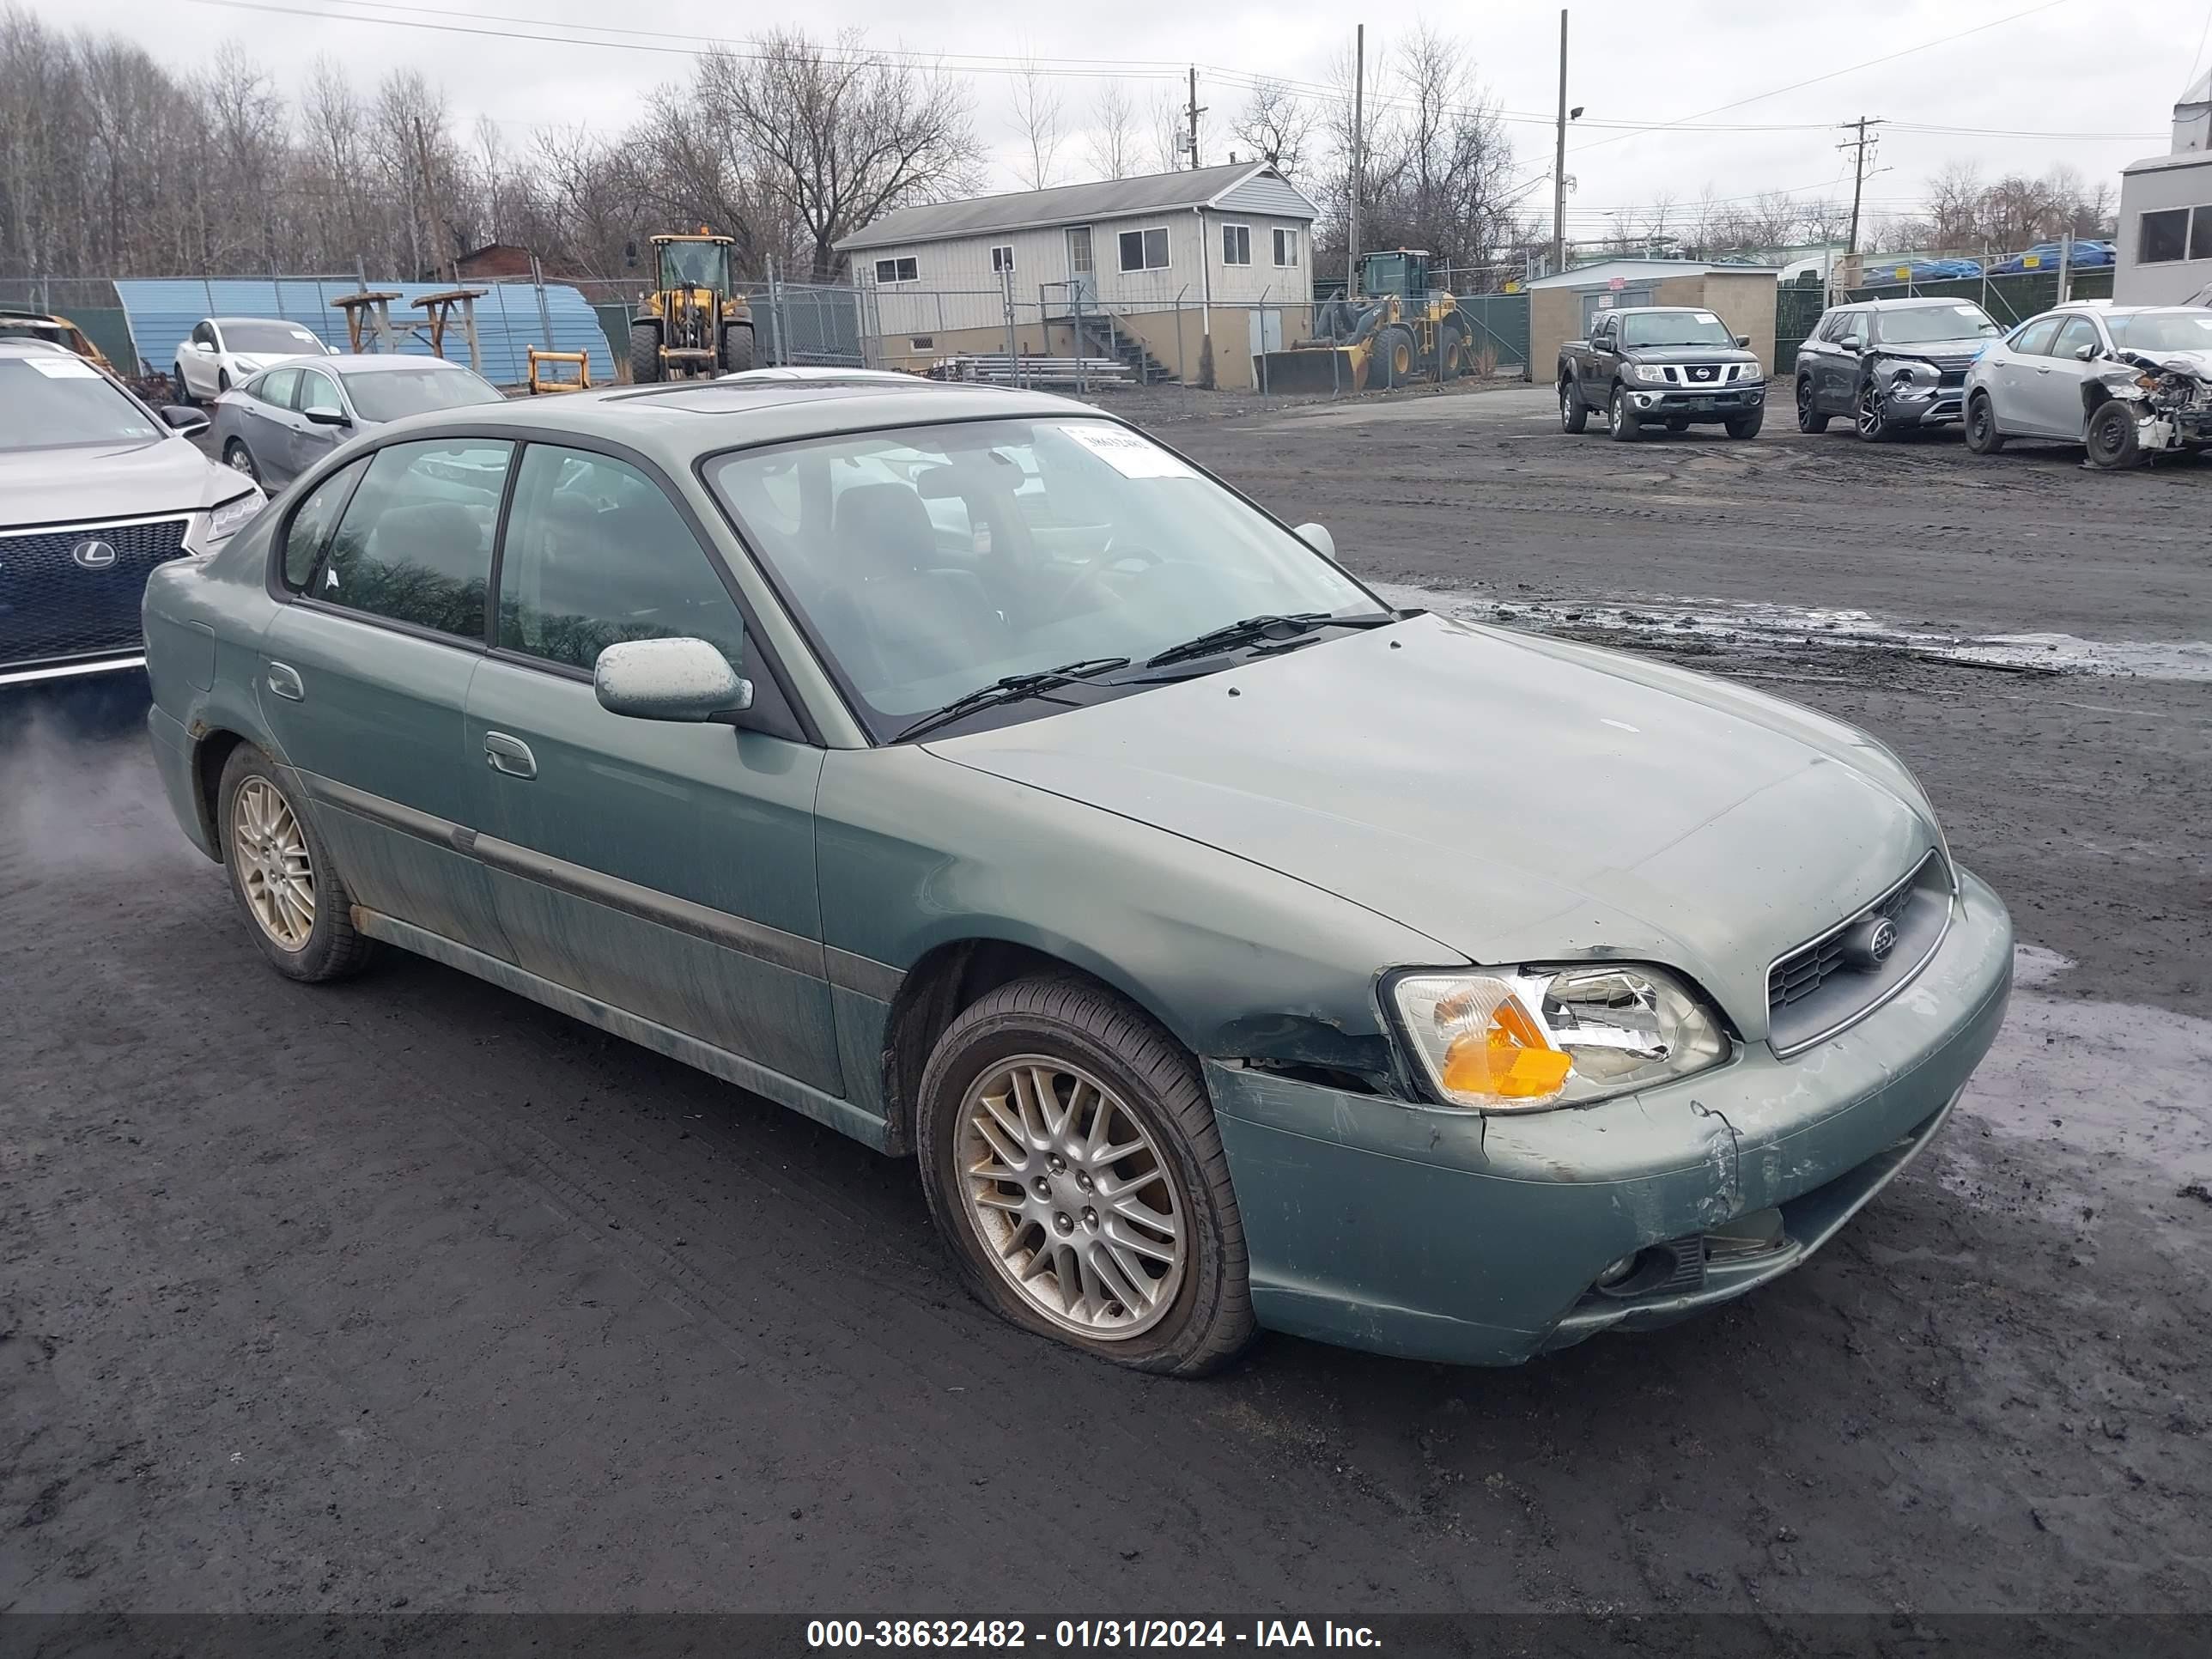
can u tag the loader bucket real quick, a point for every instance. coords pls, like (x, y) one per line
(1310, 368)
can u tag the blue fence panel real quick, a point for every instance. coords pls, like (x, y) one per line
(510, 318)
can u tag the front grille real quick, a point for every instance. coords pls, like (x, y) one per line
(1950, 380)
(1815, 990)
(1703, 372)
(55, 605)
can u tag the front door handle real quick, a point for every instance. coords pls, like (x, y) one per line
(509, 755)
(284, 681)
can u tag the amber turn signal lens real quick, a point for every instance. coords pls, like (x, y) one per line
(1509, 1059)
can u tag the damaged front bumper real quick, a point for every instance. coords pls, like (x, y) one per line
(1481, 1240)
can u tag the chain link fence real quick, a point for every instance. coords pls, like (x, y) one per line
(2011, 287)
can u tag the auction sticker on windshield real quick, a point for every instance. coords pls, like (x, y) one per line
(64, 368)
(1131, 456)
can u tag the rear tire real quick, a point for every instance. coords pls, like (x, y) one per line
(645, 365)
(1810, 417)
(1574, 413)
(736, 348)
(1981, 435)
(283, 876)
(1107, 1065)
(2112, 440)
(183, 387)
(1396, 360)
(1620, 415)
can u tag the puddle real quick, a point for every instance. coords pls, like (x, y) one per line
(1756, 623)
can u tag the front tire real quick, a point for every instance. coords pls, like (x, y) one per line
(1872, 420)
(2112, 440)
(281, 875)
(237, 457)
(183, 387)
(1396, 361)
(645, 364)
(1574, 413)
(736, 348)
(1981, 435)
(1620, 414)
(1809, 416)
(1071, 1160)
(1746, 426)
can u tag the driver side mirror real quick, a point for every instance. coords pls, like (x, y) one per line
(1744, 341)
(186, 422)
(2084, 354)
(1317, 537)
(679, 679)
(324, 414)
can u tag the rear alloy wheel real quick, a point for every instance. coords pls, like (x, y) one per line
(1069, 1157)
(1872, 420)
(1809, 416)
(2111, 439)
(1622, 414)
(1983, 437)
(183, 387)
(1574, 413)
(240, 458)
(281, 875)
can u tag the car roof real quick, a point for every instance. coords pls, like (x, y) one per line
(354, 362)
(288, 322)
(18, 345)
(1917, 302)
(696, 417)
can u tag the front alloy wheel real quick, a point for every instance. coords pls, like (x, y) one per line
(1071, 1197)
(1873, 419)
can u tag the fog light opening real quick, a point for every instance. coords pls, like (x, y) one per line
(1617, 1272)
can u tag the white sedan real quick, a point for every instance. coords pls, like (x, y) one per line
(223, 352)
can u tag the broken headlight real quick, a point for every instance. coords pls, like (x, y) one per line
(1524, 1039)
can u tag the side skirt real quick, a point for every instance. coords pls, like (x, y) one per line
(840, 1114)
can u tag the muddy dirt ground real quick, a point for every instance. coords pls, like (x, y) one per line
(412, 1295)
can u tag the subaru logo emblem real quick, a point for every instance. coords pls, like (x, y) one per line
(1869, 942)
(93, 556)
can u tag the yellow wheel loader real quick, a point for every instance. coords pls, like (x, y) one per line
(694, 323)
(1395, 332)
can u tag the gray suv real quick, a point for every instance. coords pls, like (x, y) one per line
(1892, 365)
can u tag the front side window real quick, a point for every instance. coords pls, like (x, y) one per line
(386, 394)
(277, 387)
(2035, 339)
(204, 334)
(1144, 249)
(51, 401)
(596, 555)
(1237, 245)
(1674, 328)
(2078, 331)
(315, 392)
(1913, 325)
(897, 271)
(927, 561)
(1286, 246)
(2163, 237)
(309, 533)
(415, 545)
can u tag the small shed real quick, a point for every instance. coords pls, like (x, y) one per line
(1560, 307)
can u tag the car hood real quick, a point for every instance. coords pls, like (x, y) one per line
(1512, 797)
(1692, 354)
(94, 483)
(1938, 351)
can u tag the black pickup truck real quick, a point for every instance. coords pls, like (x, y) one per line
(1670, 366)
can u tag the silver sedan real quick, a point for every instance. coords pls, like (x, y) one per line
(292, 414)
(2124, 381)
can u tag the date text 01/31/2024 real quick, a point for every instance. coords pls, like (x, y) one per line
(1005, 1635)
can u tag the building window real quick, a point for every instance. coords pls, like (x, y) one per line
(2164, 237)
(1286, 246)
(897, 271)
(1237, 245)
(1002, 258)
(1144, 249)
(2200, 233)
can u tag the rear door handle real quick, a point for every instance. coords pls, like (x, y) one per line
(509, 755)
(284, 681)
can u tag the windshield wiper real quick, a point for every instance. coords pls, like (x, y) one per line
(1232, 634)
(1011, 688)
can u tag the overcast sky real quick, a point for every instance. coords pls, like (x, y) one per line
(2043, 67)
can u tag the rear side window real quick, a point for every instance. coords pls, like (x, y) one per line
(309, 533)
(595, 556)
(414, 544)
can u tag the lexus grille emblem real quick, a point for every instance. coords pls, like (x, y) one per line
(93, 556)
(1869, 944)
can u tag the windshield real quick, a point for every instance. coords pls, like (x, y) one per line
(385, 394)
(1674, 328)
(930, 561)
(51, 402)
(2163, 331)
(269, 339)
(693, 264)
(1923, 323)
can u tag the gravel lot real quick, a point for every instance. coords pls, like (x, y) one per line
(410, 1294)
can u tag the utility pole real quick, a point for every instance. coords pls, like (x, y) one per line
(1858, 147)
(1559, 162)
(1359, 161)
(1194, 110)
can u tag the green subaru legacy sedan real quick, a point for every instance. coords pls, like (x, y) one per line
(964, 769)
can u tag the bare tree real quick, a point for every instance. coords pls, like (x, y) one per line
(1171, 134)
(1277, 125)
(1037, 122)
(1113, 143)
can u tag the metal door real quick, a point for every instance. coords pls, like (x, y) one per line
(1082, 273)
(2057, 382)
